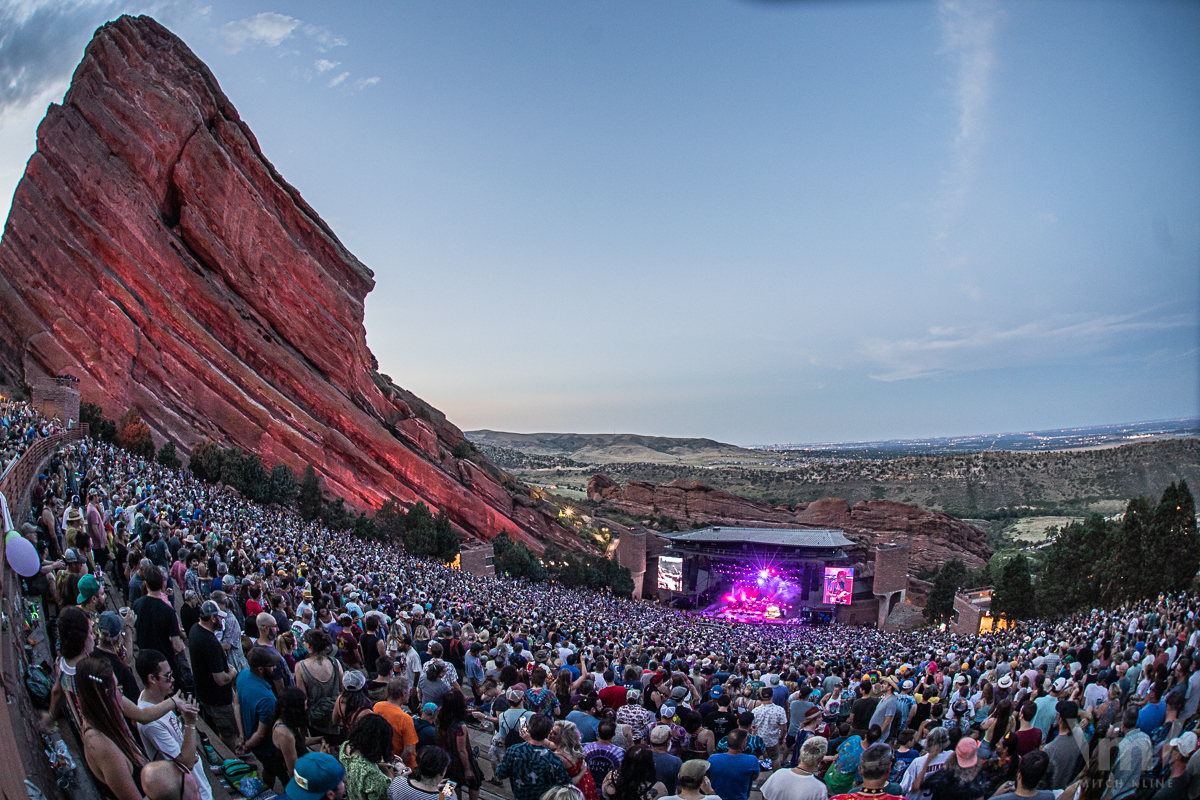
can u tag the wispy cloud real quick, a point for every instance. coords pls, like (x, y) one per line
(363, 83)
(324, 64)
(337, 80)
(968, 37)
(985, 346)
(324, 38)
(268, 28)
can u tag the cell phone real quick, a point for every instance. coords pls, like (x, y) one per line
(448, 789)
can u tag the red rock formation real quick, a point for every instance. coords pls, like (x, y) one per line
(933, 537)
(155, 253)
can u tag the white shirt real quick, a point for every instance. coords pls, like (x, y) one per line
(785, 784)
(910, 774)
(164, 738)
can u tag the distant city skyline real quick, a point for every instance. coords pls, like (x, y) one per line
(746, 221)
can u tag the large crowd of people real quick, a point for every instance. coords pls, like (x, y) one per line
(20, 426)
(342, 667)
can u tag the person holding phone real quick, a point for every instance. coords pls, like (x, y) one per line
(427, 782)
(172, 736)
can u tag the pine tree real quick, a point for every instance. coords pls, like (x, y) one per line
(1074, 569)
(309, 499)
(167, 456)
(940, 605)
(134, 435)
(1174, 534)
(283, 485)
(390, 521)
(445, 541)
(420, 538)
(205, 461)
(232, 469)
(256, 481)
(1013, 597)
(1131, 557)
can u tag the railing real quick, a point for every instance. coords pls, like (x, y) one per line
(19, 739)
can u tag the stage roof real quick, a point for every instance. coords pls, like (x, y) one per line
(778, 537)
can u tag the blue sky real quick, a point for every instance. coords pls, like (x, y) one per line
(757, 222)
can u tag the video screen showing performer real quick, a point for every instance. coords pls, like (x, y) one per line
(839, 585)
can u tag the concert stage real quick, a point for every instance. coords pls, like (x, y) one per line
(759, 575)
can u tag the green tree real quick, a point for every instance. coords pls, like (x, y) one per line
(256, 481)
(336, 516)
(1174, 534)
(205, 461)
(283, 485)
(309, 499)
(1130, 556)
(420, 537)
(167, 456)
(365, 528)
(445, 541)
(232, 469)
(1013, 597)
(390, 521)
(940, 605)
(134, 435)
(1074, 568)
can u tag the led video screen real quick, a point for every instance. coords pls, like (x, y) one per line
(670, 573)
(839, 585)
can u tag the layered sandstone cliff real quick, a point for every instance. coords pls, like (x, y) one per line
(153, 252)
(933, 538)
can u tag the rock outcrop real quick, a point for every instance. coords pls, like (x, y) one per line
(155, 253)
(933, 537)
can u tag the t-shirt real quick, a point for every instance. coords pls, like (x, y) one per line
(787, 784)
(731, 775)
(208, 658)
(771, 721)
(404, 733)
(1028, 740)
(666, 767)
(588, 725)
(165, 736)
(126, 680)
(862, 711)
(156, 624)
(613, 696)
(256, 701)
(401, 789)
(888, 706)
(720, 723)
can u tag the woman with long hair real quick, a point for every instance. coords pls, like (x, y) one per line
(562, 692)
(289, 729)
(425, 783)
(285, 644)
(995, 727)
(319, 677)
(353, 703)
(111, 754)
(433, 685)
(451, 735)
(1002, 766)
(636, 779)
(367, 757)
(566, 743)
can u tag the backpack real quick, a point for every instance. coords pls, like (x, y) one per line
(511, 730)
(320, 711)
(40, 684)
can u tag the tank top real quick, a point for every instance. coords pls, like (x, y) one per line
(301, 746)
(318, 690)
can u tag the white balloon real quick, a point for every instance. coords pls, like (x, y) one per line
(22, 556)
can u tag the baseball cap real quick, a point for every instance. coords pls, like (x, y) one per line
(514, 696)
(1067, 709)
(71, 556)
(661, 734)
(695, 769)
(430, 707)
(907, 685)
(1060, 684)
(354, 680)
(110, 624)
(209, 609)
(1185, 744)
(89, 587)
(966, 752)
(812, 713)
(314, 775)
(679, 693)
(668, 709)
(716, 692)
(634, 694)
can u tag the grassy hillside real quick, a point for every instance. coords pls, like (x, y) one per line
(602, 448)
(970, 485)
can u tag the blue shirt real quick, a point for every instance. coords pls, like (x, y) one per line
(588, 725)
(1151, 717)
(474, 668)
(731, 776)
(256, 702)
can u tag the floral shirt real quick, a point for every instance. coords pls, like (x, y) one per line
(364, 780)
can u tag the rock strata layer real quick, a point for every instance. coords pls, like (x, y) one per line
(156, 254)
(933, 538)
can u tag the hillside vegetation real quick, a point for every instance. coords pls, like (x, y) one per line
(969, 485)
